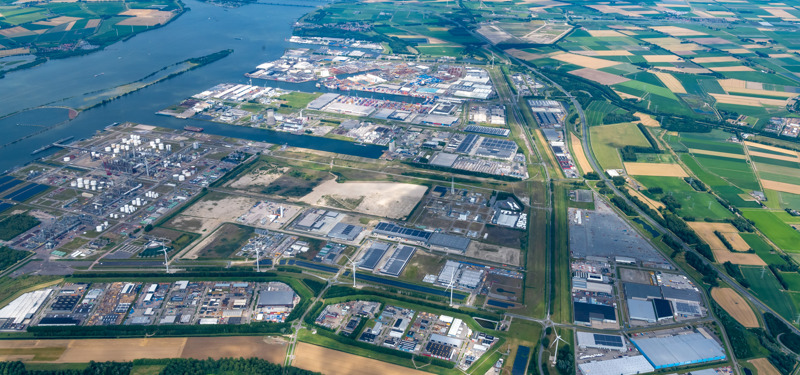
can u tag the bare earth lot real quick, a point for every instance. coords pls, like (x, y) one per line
(386, 199)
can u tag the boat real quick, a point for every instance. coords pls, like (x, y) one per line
(193, 129)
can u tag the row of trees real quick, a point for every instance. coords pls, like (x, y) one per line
(171, 366)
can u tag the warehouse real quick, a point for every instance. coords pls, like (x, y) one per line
(444, 159)
(641, 310)
(641, 291)
(497, 148)
(601, 341)
(586, 313)
(397, 262)
(617, 366)
(681, 295)
(345, 232)
(448, 242)
(579, 283)
(373, 255)
(663, 309)
(24, 306)
(679, 350)
(276, 299)
(391, 230)
(350, 109)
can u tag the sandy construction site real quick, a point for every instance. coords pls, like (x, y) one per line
(257, 178)
(207, 214)
(386, 199)
(735, 305)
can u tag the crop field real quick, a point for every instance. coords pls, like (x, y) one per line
(780, 233)
(769, 290)
(319, 359)
(655, 169)
(721, 253)
(735, 305)
(607, 139)
(764, 367)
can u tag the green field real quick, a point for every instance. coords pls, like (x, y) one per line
(607, 139)
(792, 279)
(693, 203)
(769, 291)
(780, 233)
(735, 171)
(762, 249)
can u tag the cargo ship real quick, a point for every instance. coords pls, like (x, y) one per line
(192, 129)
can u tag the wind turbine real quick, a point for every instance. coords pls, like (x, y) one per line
(558, 338)
(450, 286)
(354, 269)
(166, 261)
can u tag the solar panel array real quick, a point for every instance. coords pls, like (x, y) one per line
(499, 144)
(608, 340)
(394, 266)
(373, 255)
(487, 130)
(26, 192)
(8, 182)
(396, 230)
(467, 144)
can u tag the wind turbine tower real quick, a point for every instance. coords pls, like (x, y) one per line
(166, 261)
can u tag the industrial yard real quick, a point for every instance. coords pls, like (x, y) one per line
(181, 302)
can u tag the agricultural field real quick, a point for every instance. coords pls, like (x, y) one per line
(780, 233)
(767, 288)
(608, 139)
(692, 203)
(57, 29)
(694, 70)
(735, 305)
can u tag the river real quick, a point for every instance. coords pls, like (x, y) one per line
(256, 32)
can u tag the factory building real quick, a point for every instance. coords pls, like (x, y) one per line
(276, 299)
(641, 310)
(586, 313)
(345, 232)
(641, 291)
(679, 350)
(601, 341)
(373, 255)
(617, 366)
(436, 241)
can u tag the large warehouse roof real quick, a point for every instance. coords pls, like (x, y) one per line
(449, 241)
(679, 350)
(641, 310)
(617, 366)
(680, 294)
(586, 312)
(602, 341)
(642, 291)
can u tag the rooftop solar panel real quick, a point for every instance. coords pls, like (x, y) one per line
(608, 340)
